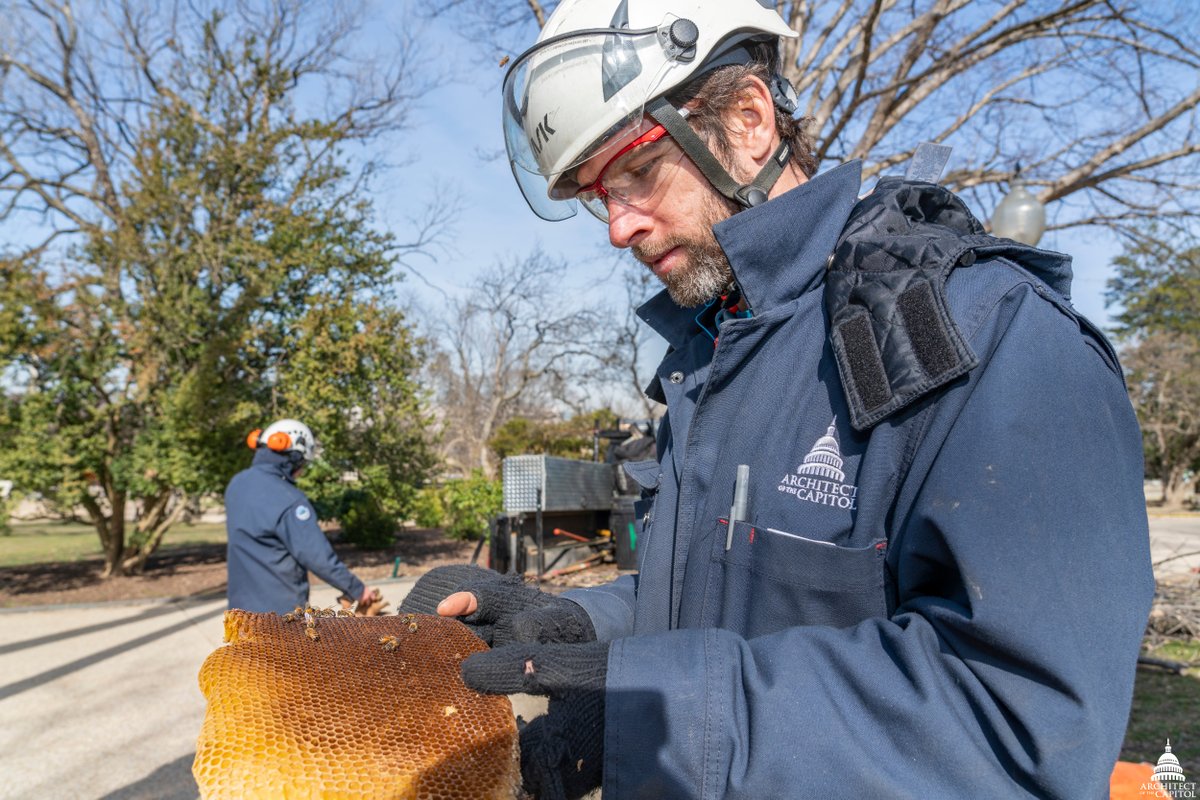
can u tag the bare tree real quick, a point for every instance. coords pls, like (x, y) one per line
(630, 339)
(514, 346)
(75, 91)
(1094, 101)
(1163, 374)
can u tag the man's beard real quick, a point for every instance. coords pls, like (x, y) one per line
(706, 274)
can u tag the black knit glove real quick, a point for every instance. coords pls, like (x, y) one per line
(439, 583)
(562, 751)
(436, 585)
(509, 609)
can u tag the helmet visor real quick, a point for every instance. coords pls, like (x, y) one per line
(574, 97)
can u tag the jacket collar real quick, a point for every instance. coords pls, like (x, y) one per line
(778, 250)
(275, 463)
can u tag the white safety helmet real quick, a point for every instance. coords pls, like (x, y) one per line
(583, 88)
(285, 436)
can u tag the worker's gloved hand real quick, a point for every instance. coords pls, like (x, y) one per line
(439, 583)
(562, 751)
(371, 604)
(500, 609)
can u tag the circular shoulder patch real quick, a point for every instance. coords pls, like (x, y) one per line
(302, 513)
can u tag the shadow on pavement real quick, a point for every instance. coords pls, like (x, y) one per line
(172, 781)
(170, 607)
(8, 690)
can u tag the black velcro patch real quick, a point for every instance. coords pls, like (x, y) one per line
(928, 335)
(866, 367)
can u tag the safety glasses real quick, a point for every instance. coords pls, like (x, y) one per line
(634, 175)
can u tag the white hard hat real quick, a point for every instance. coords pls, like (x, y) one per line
(285, 436)
(581, 90)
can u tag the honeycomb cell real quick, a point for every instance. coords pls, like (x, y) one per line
(341, 716)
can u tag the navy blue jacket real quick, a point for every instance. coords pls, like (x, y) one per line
(944, 600)
(274, 540)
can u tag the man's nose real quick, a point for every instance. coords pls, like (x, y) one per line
(627, 226)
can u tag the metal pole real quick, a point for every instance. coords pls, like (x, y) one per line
(541, 553)
(516, 531)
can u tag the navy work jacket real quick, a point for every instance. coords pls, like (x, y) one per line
(940, 583)
(274, 540)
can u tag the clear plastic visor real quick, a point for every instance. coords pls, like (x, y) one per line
(575, 97)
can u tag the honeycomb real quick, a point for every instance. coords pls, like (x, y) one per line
(350, 707)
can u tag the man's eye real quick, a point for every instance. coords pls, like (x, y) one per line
(641, 170)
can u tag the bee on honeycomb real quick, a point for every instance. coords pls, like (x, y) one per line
(389, 642)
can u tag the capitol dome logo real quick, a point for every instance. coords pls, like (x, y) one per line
(820, 479)
(1169, 780)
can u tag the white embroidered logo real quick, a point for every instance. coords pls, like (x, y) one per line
(302, 513)
(1169, 780)
(820, 478)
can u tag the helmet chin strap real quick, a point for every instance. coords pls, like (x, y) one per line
(746, 195)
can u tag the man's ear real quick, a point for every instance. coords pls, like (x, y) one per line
(751, 124)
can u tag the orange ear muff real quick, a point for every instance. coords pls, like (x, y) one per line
(279, 442)
(252, 439)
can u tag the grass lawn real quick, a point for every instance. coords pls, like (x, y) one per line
(1166, 705)
(40, 542)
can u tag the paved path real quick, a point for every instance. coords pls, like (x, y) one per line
(1174, 538)
(101, 701)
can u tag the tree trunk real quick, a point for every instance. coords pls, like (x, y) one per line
(111, 530)
(158, 520)
(1176, 491)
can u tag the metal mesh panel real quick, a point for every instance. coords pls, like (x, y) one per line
(566, 484)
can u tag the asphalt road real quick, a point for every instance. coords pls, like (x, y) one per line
(101, 701)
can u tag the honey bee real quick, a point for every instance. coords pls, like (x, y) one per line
(503, 61)
(389, 642)
(311, 632)
(412, 627)
(293, 615)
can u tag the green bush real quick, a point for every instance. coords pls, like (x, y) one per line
(427, 509)
(5, 510)
(366, 523)
(469, 504)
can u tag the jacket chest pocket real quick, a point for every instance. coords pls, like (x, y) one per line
(770, 579)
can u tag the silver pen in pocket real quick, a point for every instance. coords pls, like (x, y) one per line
(741, 491)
